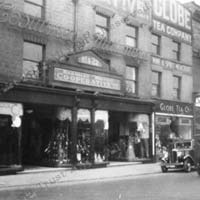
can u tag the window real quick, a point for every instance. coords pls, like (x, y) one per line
(156, 82)
(176, 50)
(34, 7)
(102, 26)
(131, 79)
(176, 87)
(32, 56)
(131, 37)
(155, 47)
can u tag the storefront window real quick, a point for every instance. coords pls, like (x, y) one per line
(101, 136)
(58, 149)
(9, 136)
(168, 128)
(84, 136)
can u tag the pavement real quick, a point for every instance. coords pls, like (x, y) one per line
(47, 177)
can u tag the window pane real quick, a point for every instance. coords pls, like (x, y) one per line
(33, 52)
(101, 32)
(155, 77)
(33, 10)
(131, 73)
(154, 49)
(130, 87)
(101, 20)
(30, 70)
(176, 46)
(39, 2)
(155, 39)
(176, 82)
(175, 94)
(130, 41)
(132, 31)
(154, 90)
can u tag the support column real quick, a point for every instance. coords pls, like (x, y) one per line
(92, 138)
(74, 130)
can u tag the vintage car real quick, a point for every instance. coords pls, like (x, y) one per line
(179, 155)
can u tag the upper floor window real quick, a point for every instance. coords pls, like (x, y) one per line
(32, 56)
(131, 37)
(176, 87)
(34, 7)
(155, 45)
(102, 26)
(156, 84)
(131, 79)
(176, 50)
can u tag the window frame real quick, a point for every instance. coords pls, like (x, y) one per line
(131, 80)
(135, 38)
(107, 28)
(178, 89)
(158, 46)
(34, 61)
(158, 85)
(177, 51)
(37, 5)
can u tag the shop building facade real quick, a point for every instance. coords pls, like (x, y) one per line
(172, 74)
(87, 81)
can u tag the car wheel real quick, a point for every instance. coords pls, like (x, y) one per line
(198, 169)
(164, 169)
(187, 165)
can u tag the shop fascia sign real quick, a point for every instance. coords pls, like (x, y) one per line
(172, 19)
(86, 79)
(169, 65)
(171, 107)
(138, 8)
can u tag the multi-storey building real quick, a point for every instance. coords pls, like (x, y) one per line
(80, 80)
(195, 9)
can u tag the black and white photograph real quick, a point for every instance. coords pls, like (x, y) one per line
(99, 99)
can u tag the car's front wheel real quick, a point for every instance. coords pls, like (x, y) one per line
(187, 165)
(163, 167)
(198, 169)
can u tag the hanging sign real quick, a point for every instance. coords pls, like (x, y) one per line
(13, 109)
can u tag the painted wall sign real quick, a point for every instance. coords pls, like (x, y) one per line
(171, 31)
(172, 19)
(169, 65)
(173, 12)
(139, 8)
(86, 79)
(171, 107)
(89, 60)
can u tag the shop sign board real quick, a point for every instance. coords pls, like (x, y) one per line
(13, 109)
(169, 65)
(86, 79)
(172, 19)
(172, 107)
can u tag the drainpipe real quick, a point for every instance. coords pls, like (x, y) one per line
(75, 28)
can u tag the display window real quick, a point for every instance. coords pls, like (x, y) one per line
(58, 149)
(9, 140)
(168, 128)
(83, 136)
(101, 136)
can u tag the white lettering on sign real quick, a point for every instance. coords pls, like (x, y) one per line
(171, 65)
(171, 31)
(89, 60)
(81, 78)
(173, 12)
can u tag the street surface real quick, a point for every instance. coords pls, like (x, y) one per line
(163, 186)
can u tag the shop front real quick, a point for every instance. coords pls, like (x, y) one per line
(172, 121)
(10, 136)
(80, 118)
